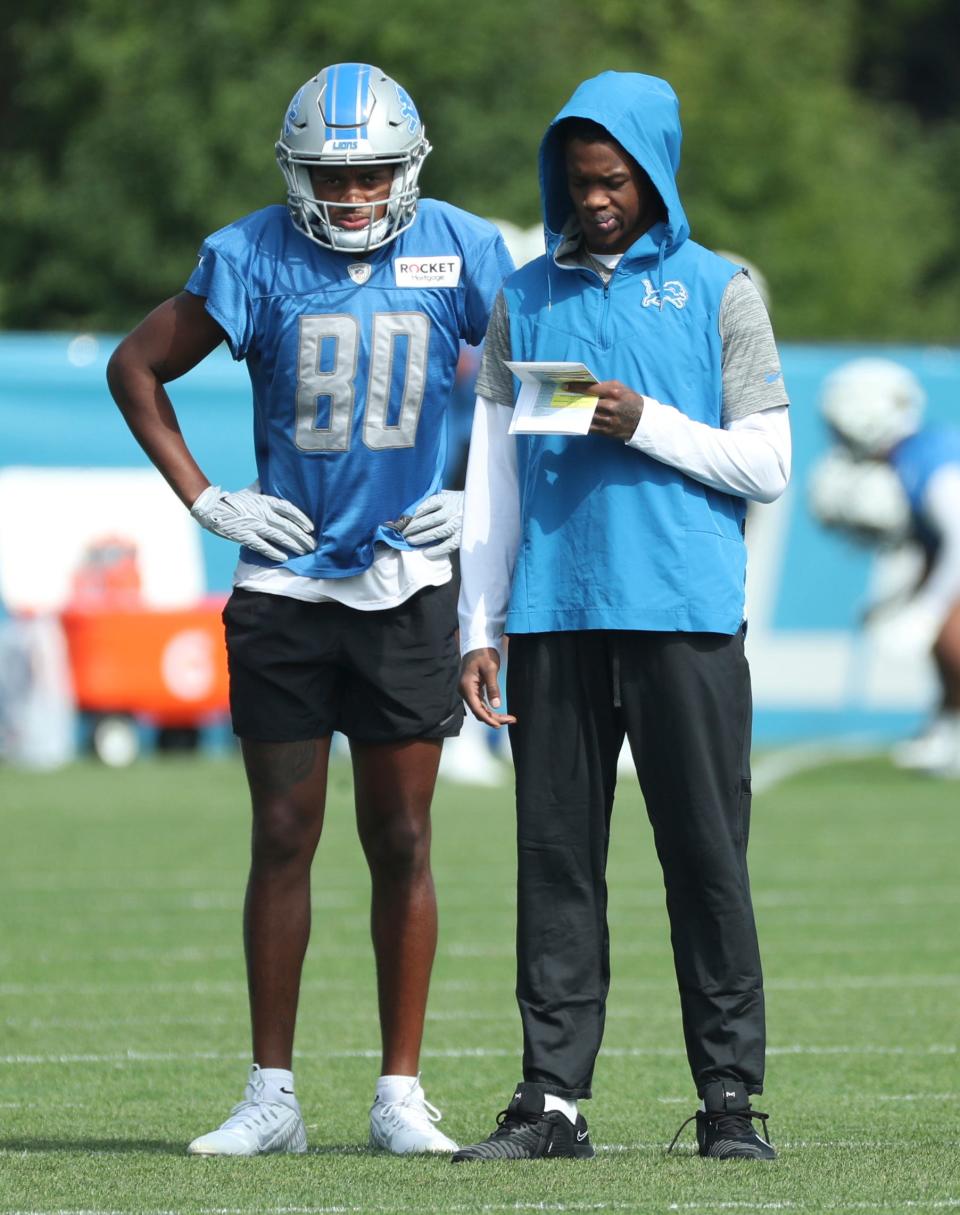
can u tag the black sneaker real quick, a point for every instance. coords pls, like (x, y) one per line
(724, 1127)
(525, 1132)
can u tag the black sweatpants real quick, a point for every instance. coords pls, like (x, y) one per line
(684, 701)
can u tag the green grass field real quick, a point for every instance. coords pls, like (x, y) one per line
(123, 1007)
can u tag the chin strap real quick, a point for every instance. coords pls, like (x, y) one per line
(362, 241)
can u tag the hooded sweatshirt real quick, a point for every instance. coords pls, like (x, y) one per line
(610, 537)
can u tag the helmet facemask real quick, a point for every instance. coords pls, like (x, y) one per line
(352, 115)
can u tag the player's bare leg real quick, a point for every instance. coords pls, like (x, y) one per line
(288, 783)
(946, 653)
(394, 786)
(936, 749)
(287, 787)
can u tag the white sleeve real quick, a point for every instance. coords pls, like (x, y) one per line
(491, 528)
(941, 510)
(749, 458)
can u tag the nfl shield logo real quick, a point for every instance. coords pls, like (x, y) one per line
(359, 272)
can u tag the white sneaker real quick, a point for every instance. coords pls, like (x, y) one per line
(255, 1127)
(408, 1125)
(935, 750)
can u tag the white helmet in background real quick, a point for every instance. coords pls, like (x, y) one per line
(872, 404)
(351, 114)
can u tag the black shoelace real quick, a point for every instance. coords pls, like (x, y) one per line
(509, 1122)
(736, 1124)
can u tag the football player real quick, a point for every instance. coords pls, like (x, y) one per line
(348, 306)
(905, 476)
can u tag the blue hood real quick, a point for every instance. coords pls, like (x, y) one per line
(642, 113)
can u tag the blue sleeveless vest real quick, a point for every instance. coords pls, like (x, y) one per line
(610, 537)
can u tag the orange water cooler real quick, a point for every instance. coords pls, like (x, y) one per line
(136, 665)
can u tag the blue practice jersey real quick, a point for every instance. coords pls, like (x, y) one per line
(352, 361)
(915, 460)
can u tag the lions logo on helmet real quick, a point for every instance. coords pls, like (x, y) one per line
(408, 109)
(293, 112)
(351, 114)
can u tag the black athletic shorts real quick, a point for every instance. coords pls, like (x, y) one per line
(302, 670)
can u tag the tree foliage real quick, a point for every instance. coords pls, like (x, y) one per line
(820, 141)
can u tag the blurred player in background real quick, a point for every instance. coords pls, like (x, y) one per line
(894, 480)
(349, 306)
(615, 562)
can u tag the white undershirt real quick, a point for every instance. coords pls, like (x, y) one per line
(395, 575)
(749, 458)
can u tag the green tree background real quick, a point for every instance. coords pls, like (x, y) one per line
(821, 141)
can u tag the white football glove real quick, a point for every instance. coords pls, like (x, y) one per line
(270, 526)
(437, 522)
(861, 497)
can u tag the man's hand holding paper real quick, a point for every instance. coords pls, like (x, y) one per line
(618, 409)
(545, 404)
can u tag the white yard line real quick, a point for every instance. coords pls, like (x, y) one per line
(506, 1017)
(98, 1024)
(228, 987)
(479, 1052)
(772, 769)
(661, 1100)
(862, 982)
(627, 901)
(926, 1204)
(937, 1204)
(917, 1097)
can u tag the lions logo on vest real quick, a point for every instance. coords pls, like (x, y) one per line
(359, 272)
(674, 292)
